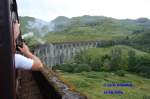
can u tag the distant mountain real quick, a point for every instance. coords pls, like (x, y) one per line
(89, 28)
(101, 23)
(37, 26)
(60, 23)
(83, 25)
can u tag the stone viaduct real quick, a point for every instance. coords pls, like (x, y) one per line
(57, 53)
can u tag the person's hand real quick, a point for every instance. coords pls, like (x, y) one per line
(16, 28)
(25, 50)
(37, 64)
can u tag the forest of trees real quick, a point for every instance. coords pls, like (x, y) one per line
(116, 60)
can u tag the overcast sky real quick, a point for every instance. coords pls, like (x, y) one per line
(49, 9)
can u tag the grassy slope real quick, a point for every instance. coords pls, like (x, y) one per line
(107, 50)
(92, 85)
(95, 53)
(104, 29)
(143, 40)
(78, 37)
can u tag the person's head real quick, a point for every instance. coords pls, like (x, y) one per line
(16, 29)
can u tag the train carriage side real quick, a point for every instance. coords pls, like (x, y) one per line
(7, 69)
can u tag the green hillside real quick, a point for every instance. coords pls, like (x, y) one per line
(113, 58)
(118, 64)
(142, 39)
(85, 28)
(107, 50)
(91, 28)
(92, 85)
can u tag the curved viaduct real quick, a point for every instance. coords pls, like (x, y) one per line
(57, 53)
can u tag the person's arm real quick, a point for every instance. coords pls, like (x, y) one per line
(37, 64)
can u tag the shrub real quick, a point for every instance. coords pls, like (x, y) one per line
(95, 67)
(144, 71)
(95, 63)
(80, 57)
(56, 67)
(132, 60)
(66, 67)
(76, 68)
(105, 63)
(120, 72)
(82, 67)
(143, 66)
(116, 59)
